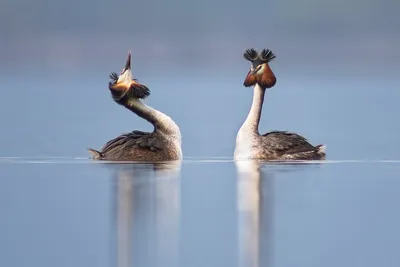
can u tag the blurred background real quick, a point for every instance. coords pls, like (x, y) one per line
(76, 35)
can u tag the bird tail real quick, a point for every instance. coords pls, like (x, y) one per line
(95, 154)
(321, 149)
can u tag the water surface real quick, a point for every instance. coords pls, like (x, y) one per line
(71, 212)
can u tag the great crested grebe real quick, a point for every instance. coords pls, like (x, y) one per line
(164, 143)
(275, 145)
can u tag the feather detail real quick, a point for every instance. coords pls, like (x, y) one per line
(266, 55)
(250, 54)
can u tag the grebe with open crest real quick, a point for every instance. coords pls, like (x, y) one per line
(164, 143)
(275, 145)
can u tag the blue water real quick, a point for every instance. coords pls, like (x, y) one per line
(60, 209)
(70, 212)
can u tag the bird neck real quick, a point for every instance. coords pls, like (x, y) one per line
(160, 121)
(253, 118)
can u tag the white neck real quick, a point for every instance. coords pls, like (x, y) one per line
(247, 136)
(161, 122)
(253, 118)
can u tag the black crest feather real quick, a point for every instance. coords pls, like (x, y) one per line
(266, 55)
(250, 54)
(140, 91)
(114, 77)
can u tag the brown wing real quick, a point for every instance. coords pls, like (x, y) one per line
(134, 145)
(283, 142)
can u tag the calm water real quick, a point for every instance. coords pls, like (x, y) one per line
(60, 209)
(76, 213)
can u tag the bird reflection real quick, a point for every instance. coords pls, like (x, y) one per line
(248, 183)
(256, 202)
(146, 213)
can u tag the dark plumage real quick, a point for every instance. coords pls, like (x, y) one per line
(287, 145)
(114, 77)
(266, 55)
(135, 146)
(250, 54)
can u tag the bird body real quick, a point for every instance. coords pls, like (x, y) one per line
(275, 145)
(163, 144)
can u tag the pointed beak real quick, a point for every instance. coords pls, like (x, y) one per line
(254, 71)
(128, 62)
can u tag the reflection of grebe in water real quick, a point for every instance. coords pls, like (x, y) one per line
(146, 213)
(256, 214)
(248, 205)
(164, 143)
(260, 192)
(257, 219)
(276, 145)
